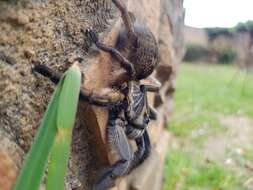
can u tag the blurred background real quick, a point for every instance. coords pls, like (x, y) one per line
(212, 119)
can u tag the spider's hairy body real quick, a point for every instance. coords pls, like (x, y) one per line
(137, 52)
(142, 50)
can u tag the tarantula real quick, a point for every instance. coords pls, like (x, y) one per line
(137, 52)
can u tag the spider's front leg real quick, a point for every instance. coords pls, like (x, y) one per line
(105, 98)
(113, 51)
(126, 18)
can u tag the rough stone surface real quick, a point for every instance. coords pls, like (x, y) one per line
(170, 39)
(49, 32)
(8, 171)
(239, 42)
(196, 36)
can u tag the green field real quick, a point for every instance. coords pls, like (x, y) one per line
(212, 129)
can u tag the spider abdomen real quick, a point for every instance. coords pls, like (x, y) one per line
(142, 51)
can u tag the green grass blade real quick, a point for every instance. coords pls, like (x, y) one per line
(36, 160)
(69, 98)
(59, 160)
(65, 121)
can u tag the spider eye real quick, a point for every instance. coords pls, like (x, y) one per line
(136, 43)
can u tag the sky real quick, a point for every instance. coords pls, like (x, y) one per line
(217, 13)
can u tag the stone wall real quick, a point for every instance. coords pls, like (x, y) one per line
(49, 32)
(239, 42)
(196, 36)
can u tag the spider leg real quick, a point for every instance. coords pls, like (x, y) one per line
(126, 18)
(108, 98)
(152, 113)
(139, 112)
(113, 51)
(133, 132)
(117, 141)
(151, 88)
(110, 175)
(143, 151)
(47, 72)
(128, 161)
(153, 84)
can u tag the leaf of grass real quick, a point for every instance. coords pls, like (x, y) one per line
(69, 98)
(65, 121)
(59, 160)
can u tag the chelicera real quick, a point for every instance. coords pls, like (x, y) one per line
(129, 111)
